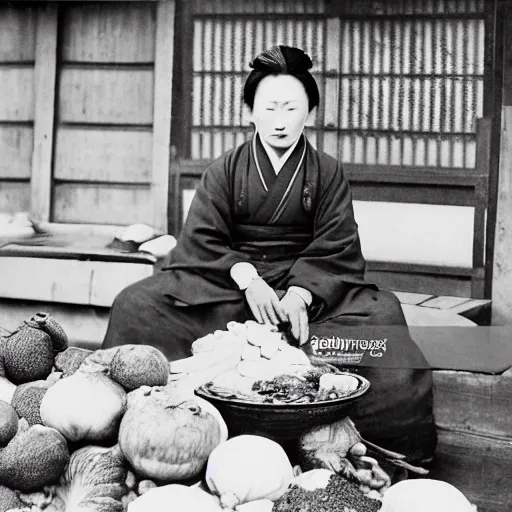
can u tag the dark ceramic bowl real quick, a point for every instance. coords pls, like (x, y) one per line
(281, 422)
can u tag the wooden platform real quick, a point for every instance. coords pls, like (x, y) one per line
(477, 310)
(90, 276)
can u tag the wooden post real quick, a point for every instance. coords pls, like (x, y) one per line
(331, 96)
(502, 268)
(45, 79)
(162, 112)
(502, 265)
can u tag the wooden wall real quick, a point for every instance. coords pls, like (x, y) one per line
(17, 57)
(105, 102)
(85, 110)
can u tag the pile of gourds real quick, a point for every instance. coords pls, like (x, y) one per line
(121, 430)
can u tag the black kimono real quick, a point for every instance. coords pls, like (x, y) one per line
(298, 229)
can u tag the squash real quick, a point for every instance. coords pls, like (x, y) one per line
(84, 406)
(247, 468)
(139, 365)
(36, 456)
(175, 497)
(168, 436)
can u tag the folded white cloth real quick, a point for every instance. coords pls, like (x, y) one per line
(138, 233)
(159, 246)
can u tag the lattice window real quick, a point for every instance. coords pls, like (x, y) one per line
(226, 39)
(409, 82)
(401, 81)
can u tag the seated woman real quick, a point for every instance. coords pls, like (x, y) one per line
(271, 235)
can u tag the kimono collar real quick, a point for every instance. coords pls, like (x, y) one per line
(309, 189)
(278, 161)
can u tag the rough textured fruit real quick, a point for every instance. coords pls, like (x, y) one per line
(134, 366)
(28, 355)
(27, 401)
(49, 325)
(70, 360)
(34, 457)
(8, 423)
(8, 499)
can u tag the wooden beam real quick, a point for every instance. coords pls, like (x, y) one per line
(331, 93)
(496, 20)
(45, 77)
(502, 265)
(162, 112)
(483, 150)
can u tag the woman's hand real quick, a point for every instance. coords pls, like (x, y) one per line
(297, 314)
(264, 303)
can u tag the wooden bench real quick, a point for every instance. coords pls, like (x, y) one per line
(76, 280)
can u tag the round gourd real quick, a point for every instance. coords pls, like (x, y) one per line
(84, 406)
(425, 495)
(175, 497)
(247, 468)
(168, 438)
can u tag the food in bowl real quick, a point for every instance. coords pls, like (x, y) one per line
(307, 384)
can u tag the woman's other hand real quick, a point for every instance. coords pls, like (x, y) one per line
(264, 303)
(296, 312)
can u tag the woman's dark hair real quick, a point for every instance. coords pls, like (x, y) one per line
(281, 60)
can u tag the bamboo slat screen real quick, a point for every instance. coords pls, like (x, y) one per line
(401, 82)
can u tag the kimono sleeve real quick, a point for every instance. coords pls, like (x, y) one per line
(204, 246)
(334, 258)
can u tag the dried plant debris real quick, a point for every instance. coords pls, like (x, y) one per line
(339, 495)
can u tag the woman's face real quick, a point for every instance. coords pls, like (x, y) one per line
(280, 110)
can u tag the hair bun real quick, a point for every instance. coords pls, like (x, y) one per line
(296, 59)
(282, 59)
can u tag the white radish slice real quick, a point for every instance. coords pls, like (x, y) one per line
(251, 353)
(343, 383)
(291, 355)
(269, 350)
(258, 334)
